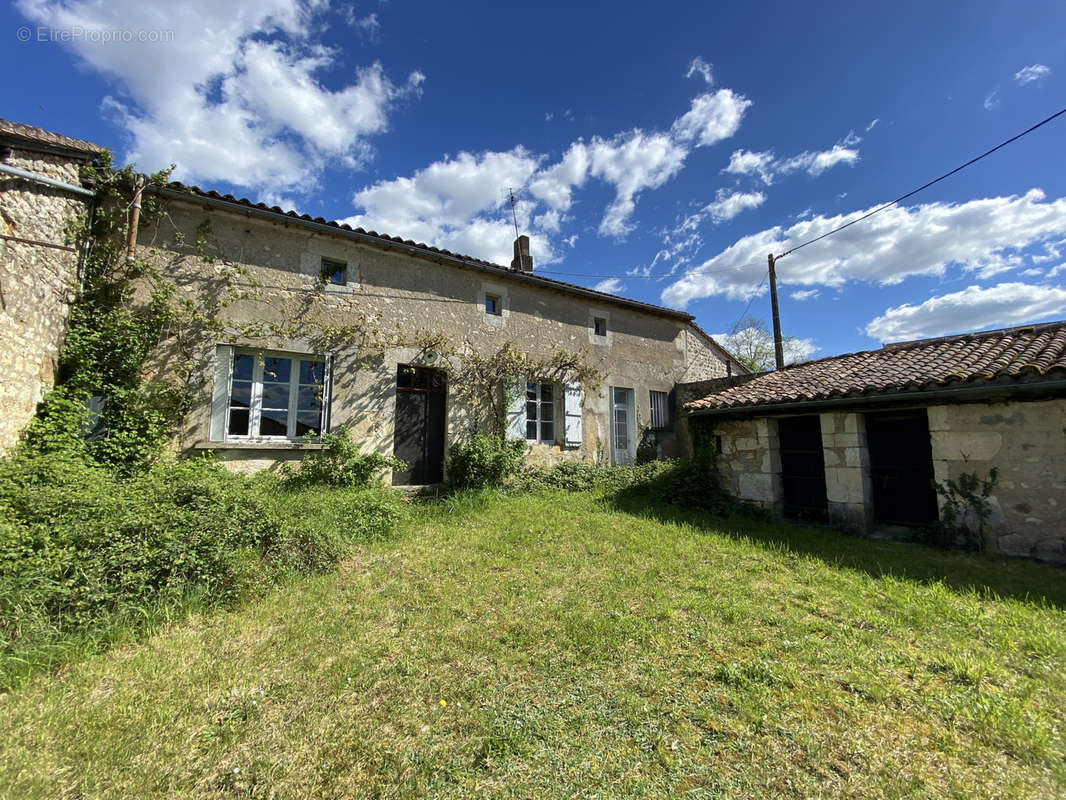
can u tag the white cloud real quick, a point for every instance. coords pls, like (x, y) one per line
(713, 117)
(728, 204)
(610, 286)
(235, 95)
(1034, 72)
(700, 67)
(369, 24)
(985, 236)
(973, 308)
(745, 162)
(814, 163)
(632, 163)
(873, 124)
(992, 100)
(805, 294)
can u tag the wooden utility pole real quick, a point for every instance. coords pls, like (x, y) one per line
(779, 348)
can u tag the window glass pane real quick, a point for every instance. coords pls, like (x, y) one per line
(308, 422)
(531, 410)
(531, 429)
(242, 367)
(238, 422)
(335, 272)
(531, 391)
(312, 371)
(275, 395)
(545, 391)
(276, 370)
(547, 432)
(547, 411)
(242, 394)
(309, 398)
(274, 423)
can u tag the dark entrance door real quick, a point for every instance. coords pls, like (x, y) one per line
(803, 468)
(901, 466)
(419, 439)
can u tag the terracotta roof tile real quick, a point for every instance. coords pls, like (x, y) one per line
(41, 136)
(1002, 355)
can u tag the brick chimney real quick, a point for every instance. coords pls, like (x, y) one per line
(523, 261)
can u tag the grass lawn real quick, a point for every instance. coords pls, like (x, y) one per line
(557, 646)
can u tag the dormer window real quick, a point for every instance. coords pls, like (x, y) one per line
(334, 273)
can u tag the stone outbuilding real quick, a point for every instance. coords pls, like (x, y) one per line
(858, 440)
(40, 197)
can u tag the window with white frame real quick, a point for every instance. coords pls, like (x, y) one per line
(276, 396)
(660, 414)
(540, 412)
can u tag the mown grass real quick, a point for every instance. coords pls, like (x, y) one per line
(562, 645)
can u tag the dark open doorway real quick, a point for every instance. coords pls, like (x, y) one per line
(421, 395)
(803, 468)
(901, 466)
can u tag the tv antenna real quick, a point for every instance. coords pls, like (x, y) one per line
(514, 216)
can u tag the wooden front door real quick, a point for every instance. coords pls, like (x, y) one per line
(421, 395)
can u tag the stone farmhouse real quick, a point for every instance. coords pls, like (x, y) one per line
(859, 439)
(272, 373)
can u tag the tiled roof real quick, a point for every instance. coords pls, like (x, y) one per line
(1001, 356)
(41, 136)
(384, 239)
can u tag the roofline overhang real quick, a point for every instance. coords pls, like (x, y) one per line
(964, 393)
(17, 141)
(419, 252)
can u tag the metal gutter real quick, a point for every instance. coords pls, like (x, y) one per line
(954, 393)
(33, 176)
(441, 258)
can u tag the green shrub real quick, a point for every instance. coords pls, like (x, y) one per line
(484, 462)
(339, 463)
(86, 552)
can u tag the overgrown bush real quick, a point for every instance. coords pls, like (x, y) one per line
(484, 462)
(339, 463)
(87, 554)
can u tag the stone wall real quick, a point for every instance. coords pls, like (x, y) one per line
(848, 487)
(1026, 443)
(278, 283)
(37, 284)
(749, 463)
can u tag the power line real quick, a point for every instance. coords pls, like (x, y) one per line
(924, 186)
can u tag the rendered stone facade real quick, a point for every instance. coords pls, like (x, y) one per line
(37, 282)
(270, 271)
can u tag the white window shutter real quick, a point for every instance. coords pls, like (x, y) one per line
(572, 394)
(220, 392)
(516, 411)
(327, 390)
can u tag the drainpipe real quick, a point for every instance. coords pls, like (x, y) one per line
(135, 216)
(33, 176)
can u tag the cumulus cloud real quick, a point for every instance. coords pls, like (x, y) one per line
(766, 166)
(728, 204)
(1033, 72)
(805, 294)
(985, 236)
(973, 308)
(610, 286)
(712, 118)
(236, 95)
(700, 67)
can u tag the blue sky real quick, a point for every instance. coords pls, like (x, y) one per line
(657, 151)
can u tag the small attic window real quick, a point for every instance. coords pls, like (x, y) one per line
(334, 273)
(599, 326)
(493, 304)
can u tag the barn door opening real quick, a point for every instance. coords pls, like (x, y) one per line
(901, 467)
(421, 395)
(803, 468)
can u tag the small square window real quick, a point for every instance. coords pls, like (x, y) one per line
(334, 273)
(493, 305)
(599, 326)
